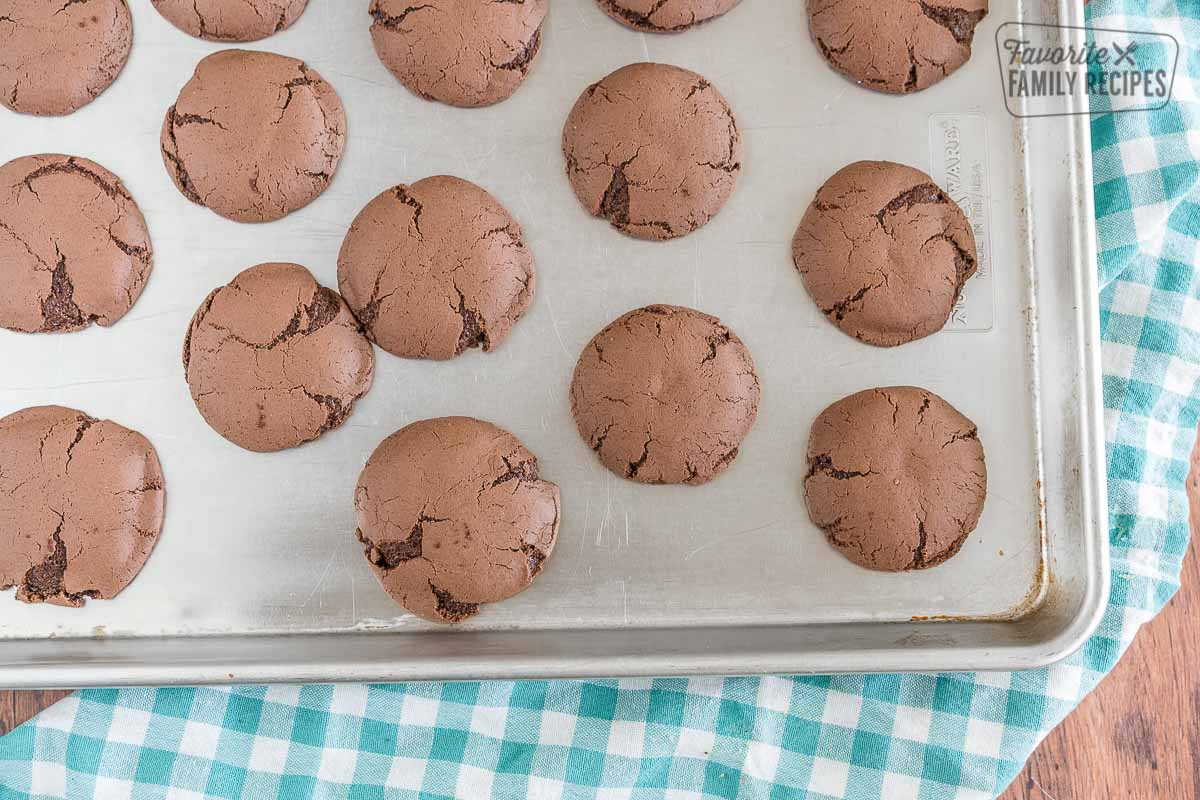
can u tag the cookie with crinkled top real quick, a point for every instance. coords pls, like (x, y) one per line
(56, 56)
(435, 268)
(81, 505)
(273, 359)
(74, 249)
(908, 47)
(453, 514)
(253, 136)
(665, 16)
(665, 394)
(896, 478)
(654, 149)
(884, 252)
(461, 52)
(230, 20)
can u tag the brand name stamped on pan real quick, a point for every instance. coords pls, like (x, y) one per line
(958, 158)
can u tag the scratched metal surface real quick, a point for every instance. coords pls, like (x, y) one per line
(259, 543)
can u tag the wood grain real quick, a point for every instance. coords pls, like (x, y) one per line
(16, 707)
(1136, 737)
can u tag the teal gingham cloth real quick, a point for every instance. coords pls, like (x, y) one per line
(883, 737)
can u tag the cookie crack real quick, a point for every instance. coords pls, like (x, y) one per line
(521, 471)
(474, 332)
(922, 194)
(25, 245)
(45, 580)
(291, 86)
(73, 167)
(614, 204)
(823, 464)
(597, 442)
(335, 410)
(715, 340)
(84, 424)
(910, 83)
(700, 86)
(958, 21)
(722, 166)
(204, 31)
(450, 609)
(968, 435)
(181, 174)
(320, 311)
(389, 555)
(59, 311)
(195, 119)
(839, 309)
(642, 19)
(392, 21)
(132, 250)
(523, 59)
(70, 3)
(918, 560)
(401, 193)
(534, 558)
(719, 465)
(964, 262)
(201, 313)
(830, 52)
(635, 466)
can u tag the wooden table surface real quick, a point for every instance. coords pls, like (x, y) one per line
(1136, 737)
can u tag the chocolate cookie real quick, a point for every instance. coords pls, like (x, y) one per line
(664, 16)
(73, 245)
(896, 478)
(81, 505)
(230, 20)
(454, 515)
(56, 57)
(461, 52)
(911, 46)
(884, 252)
(253, 136)
(434, 268)
(274, 359)
(665, 394)
(654, 149)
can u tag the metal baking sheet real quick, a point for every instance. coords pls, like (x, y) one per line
(258, 576)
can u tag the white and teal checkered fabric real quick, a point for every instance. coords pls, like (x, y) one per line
(888, 737)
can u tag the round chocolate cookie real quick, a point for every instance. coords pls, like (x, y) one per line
(664, 16)
(81, 505)
(434, 268)
(461, 52)
(73, 245)
(896, 478)
(274, 359)
(56, 56)
(884, 252)
(665, 394)
(454, 515)
(253, 136)
(654, 149)
(911, 46)
(230, 20)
